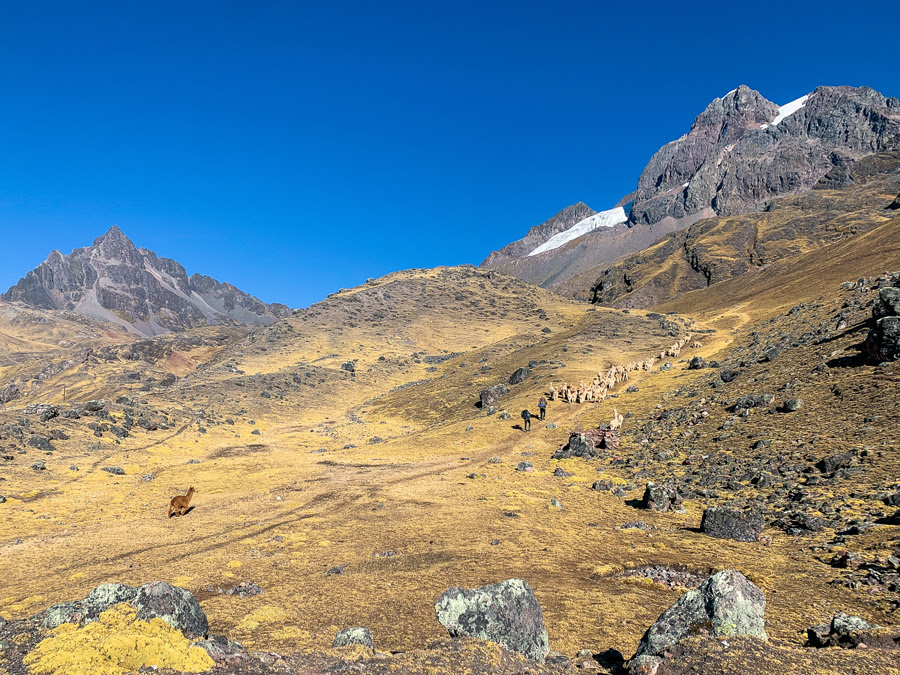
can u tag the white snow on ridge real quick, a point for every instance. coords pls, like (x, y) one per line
(582, 227)
(786, 110)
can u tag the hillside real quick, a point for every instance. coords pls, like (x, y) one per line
(114, 281)
(342, 463)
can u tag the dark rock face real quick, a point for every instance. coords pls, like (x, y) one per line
(519, 376)
(176, 606)
(507, 613)
(728, 523)
(539, 234)
(115, 281)
(894, 205)
(734, 159)
(491, 395)
(726, 604)
(883, 341)
(661, 498)
(354, 636)
(9, 393)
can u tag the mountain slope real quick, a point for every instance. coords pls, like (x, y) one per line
(132, 287)
(717, 249)
(741, 152)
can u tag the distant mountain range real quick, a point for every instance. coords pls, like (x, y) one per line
(742, 152)
(115, 281)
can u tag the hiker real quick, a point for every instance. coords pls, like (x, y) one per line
(542, 405)
(526, 416)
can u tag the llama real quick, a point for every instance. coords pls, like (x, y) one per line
(179, 504)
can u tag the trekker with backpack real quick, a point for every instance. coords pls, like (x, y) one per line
(542, 405)
(526, 416)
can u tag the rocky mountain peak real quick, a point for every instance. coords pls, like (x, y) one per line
(115, 281)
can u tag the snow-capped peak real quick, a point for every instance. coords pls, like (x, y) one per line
(786, 110)
(582, 227)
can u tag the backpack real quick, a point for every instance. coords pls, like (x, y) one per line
(526, 415)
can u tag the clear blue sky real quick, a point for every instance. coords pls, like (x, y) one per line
(293, 148)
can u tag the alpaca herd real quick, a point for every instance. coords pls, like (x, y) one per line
(603, 383)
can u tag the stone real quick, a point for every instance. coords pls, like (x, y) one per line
(697, 363)
(115, 470)
(753, 401)
(725, 522)
(349, 366)
(176, 606)
(41, 443)
(843, 630)
(507, 613)
(354, 636)
(726, 605)
(39, 466)
(220, 648)
(832, 463)
(661, 498)
(490, 395)
(525, 466)
(792, 405)
(95, 406)
(519, 376)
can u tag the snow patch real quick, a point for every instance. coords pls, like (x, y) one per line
(786, 110)
(603, 219)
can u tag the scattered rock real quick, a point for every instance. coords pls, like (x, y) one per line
(354, 636)
(661, 498)
(507, 613)
(39, 466)
(525, 466)
(753, 401)
(792, 405)
(725, 522)
(519, 376)
(115, 470)
(727, 604)
(491, 395)
(845, 631)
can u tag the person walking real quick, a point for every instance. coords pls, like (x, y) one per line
(542, 405)
(526, 417)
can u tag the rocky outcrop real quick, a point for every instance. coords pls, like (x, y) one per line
(176, 606)
(507, 613)
(743, 150)
(726, 605)
(883, 341)
(115, 281)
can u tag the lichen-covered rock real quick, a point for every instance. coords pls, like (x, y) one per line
(176, 606)
(661, 498)
(354, 636)
(725, 522)
(507, 613)
(490, 395)
(753, 401)
(726, 604)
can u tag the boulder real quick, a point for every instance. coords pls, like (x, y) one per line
(661, 498)
(507, 613)
(832, 463)
(842, 631)
(725, 522)
(792, 405)
(354, 636)
(883, 341)
(41, 443)
(519, 376)
(95, 406)
(697, 363)
(491, 395)
(85, 611)
(176, 606)
(727, 604)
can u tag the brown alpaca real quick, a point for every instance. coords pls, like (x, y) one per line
(179, 504)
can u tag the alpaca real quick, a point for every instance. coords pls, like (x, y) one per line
(616, 422)
(179, 504)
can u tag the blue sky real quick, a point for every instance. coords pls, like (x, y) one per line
(293, 148)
